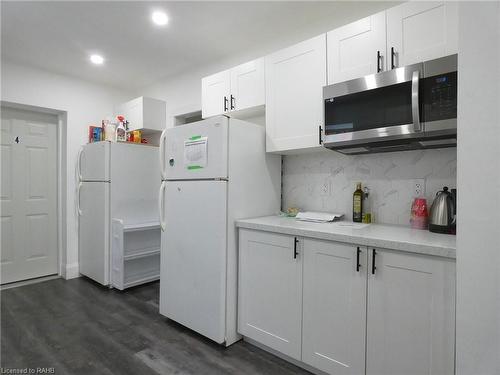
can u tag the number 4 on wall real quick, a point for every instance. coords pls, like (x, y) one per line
(16, 140)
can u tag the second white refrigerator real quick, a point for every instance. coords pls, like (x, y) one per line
(216, 171)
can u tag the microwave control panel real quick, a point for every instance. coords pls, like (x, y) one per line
(439, 94)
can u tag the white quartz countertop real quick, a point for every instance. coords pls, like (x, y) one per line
(392, 237)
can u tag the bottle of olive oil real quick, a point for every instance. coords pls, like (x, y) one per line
(357, 204)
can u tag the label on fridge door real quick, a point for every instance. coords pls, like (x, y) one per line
(195, 152)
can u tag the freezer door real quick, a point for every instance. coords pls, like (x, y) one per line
(93, 236)
(93, 162)
(197, 150)
(193, 257)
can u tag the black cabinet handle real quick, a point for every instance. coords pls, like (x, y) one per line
(225, 104)
(393, 54)
(295, 253)
(373, 261)
(320, 135)
(358, 251)
(378, 61)
(232, 101)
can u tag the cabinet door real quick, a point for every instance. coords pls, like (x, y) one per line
(133, 111)
(411, 315)
(357, 49)
(215, 92)
(270, 291)
(420, 31)
(295, 78)
(247, 85)
(334, 318)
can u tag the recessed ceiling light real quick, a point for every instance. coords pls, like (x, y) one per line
(160, 18)
(97, 59)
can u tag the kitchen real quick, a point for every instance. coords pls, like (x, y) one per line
(400, 288)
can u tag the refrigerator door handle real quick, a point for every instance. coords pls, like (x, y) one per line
(163, 172)
(79, 164)
(161, 204)
(78, 208)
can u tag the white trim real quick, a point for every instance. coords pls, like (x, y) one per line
(60, 202)
(284, 357)
(70, 271)
(36, 280)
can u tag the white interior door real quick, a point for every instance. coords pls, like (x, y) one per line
(93, 234)
(28, 195)
(193, 274)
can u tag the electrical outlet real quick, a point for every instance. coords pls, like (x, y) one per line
(419, 187)
(324, 189)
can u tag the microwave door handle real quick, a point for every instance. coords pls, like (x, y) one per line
(414, 101)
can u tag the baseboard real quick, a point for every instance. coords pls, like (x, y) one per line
(70, 271)
(284, 357)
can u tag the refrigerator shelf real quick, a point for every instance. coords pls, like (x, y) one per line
(145, 253)
(143, 280)
(132, 227)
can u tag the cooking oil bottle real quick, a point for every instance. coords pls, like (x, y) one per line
(357, 204)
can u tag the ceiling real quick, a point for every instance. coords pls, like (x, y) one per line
(60, 36)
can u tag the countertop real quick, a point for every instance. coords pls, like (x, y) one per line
(392, 237)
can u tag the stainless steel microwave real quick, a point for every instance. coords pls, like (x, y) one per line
(412, 107)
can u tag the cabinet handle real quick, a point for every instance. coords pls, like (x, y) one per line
(295, 253)
(373, 261)
(358, 251)
(232, 101)
(225, 104)
(378, 61)
(320, 135)
(393, 54)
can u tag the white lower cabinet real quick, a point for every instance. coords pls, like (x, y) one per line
(270, 290)
(334, 312)
(347, 309)
(411, 314)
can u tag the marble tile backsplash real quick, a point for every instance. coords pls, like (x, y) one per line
(325, 181)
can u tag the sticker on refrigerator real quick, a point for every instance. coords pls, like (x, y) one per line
(195, 152)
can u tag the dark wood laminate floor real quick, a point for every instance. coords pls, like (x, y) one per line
(79, 327)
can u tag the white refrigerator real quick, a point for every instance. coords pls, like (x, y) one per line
(214, 172)
(116, 180)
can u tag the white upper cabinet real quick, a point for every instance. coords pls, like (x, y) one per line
(236, 89)
(334, 307)
(419, 31)
(411, 314)
(247, 85)
(357, 49)
(295, 77)
(144, 113)
(215, 94)
(270, 291)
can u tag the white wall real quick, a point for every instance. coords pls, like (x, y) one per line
(84, 104)
(478, 230)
